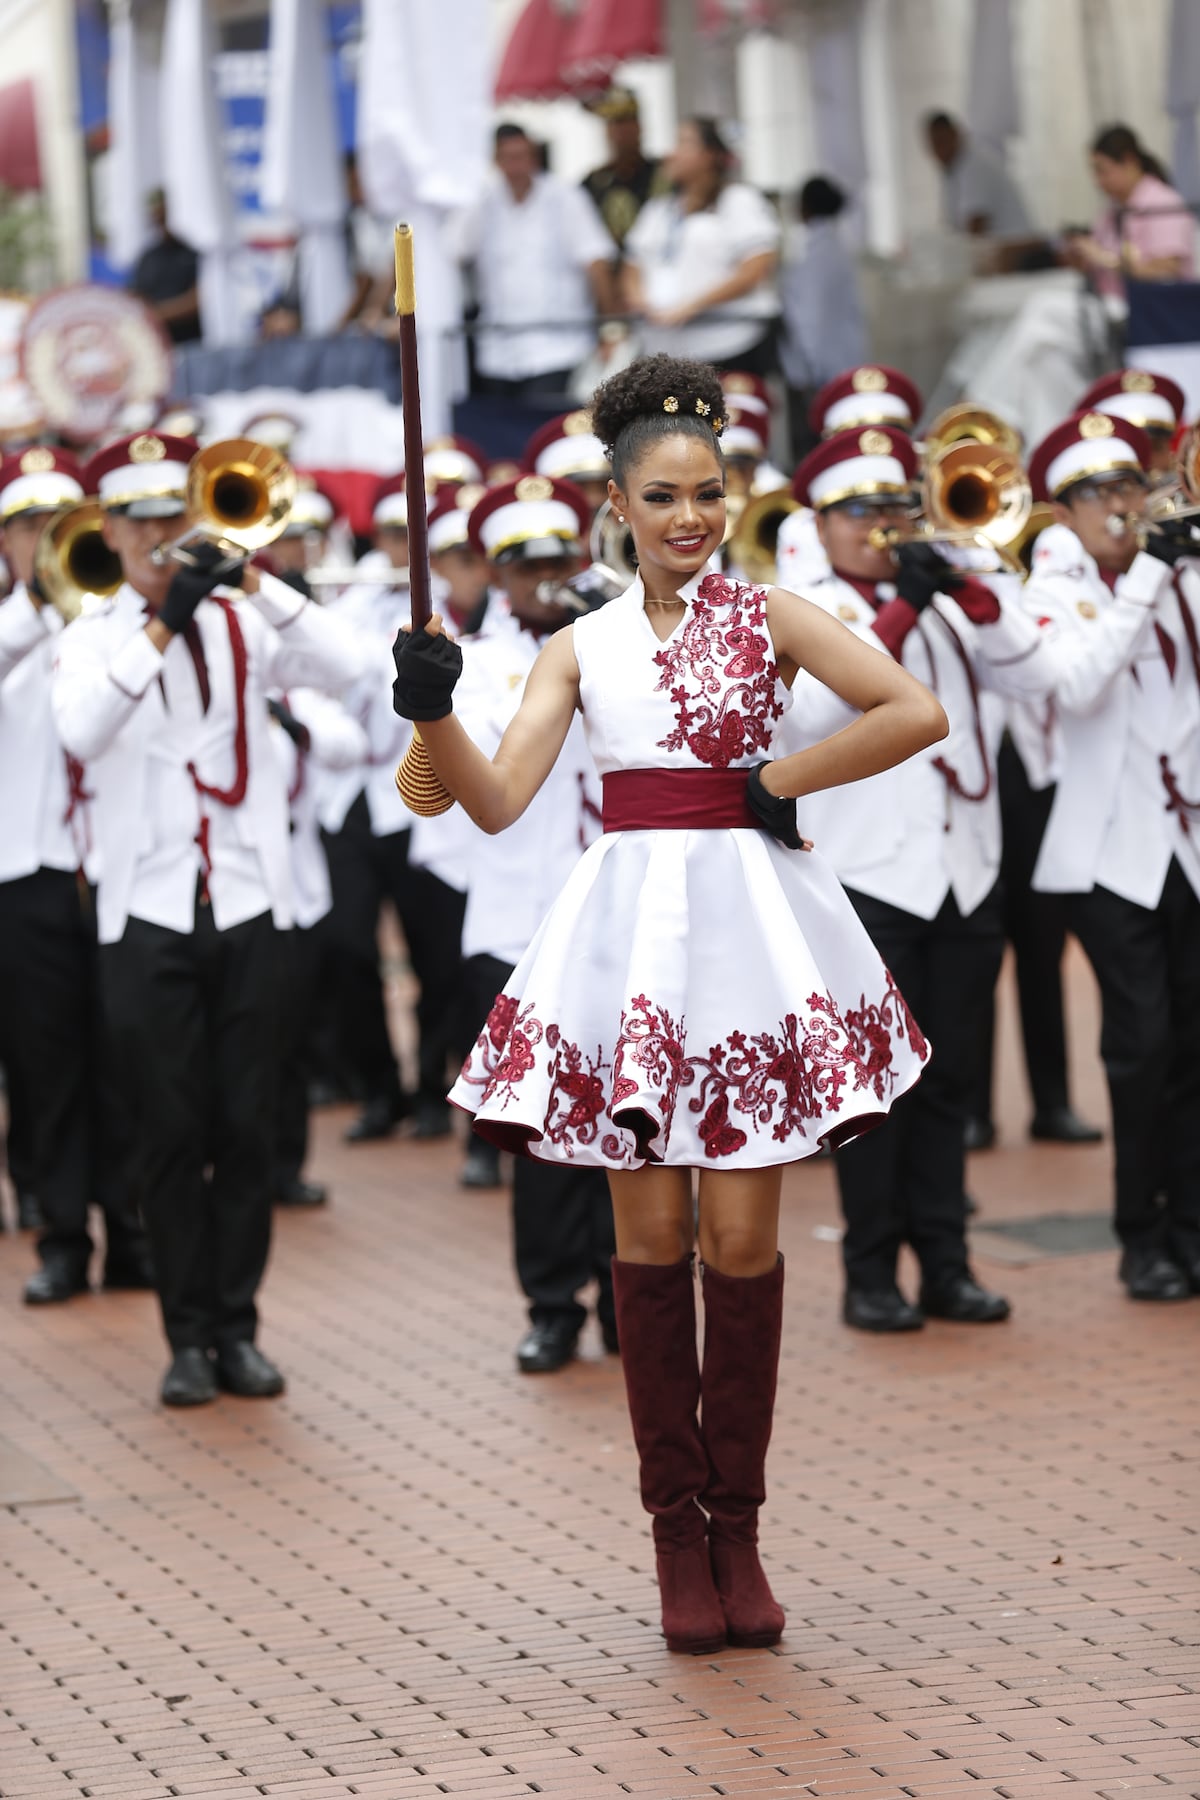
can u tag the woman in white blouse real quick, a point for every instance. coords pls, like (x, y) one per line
(700, 262)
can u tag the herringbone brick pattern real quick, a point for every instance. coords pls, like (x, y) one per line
(422, 1574)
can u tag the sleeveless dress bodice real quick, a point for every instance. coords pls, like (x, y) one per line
(699, 994)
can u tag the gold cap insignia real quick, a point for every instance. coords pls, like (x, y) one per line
(875, 443)
(147, 449)
(577, 424)
(500, 472)
(1096, 425)
(1137, 381)
(37, 461)
(868, 381)
(469, 495)
(737, 384)
(1086, 609)
(534, 487)
(440, 443)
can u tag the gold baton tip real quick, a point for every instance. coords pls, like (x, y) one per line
(406, 295)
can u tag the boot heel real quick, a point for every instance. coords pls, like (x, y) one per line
(754, 1619)
(692, 1618)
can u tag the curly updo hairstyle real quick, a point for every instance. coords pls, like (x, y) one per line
(657, 397)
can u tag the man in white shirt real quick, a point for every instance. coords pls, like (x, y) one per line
(979, 196)
(1121, 627)
(542, 259)
(60, 1114)
(161, 693)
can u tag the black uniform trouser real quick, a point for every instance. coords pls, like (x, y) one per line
(563, 1234)
(192, 1018)
(46, 1028)
(301, 955)
(365, 871)
(903, 1182)
(1036, 927)
(1147, 963)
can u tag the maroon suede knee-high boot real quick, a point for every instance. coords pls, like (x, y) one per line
(656, 1324)
(742, 1322)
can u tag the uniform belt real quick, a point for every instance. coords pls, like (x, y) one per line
(677, 800)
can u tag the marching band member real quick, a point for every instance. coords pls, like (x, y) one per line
(567, 449)
(1154, 402)
(302, 543)
(533, 532)
(47, 960)
(1122, 839)
(162, 694)
(871, 394)
(453, 462)
(680, 1007)
(368, 840)
(918, 849)
(461, 571)
(313, 732)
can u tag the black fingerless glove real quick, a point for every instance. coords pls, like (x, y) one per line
(427, 669)
(921, 573)
(1170, 540)
(774, 812)
(288, 721)
(206, 569)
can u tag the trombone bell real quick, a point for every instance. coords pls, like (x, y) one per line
(753, 541)
(72, 564)
(240, 492)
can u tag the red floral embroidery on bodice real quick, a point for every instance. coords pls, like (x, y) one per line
(720, 671)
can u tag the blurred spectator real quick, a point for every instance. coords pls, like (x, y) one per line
(372, 260)
(541, 258)
(165, 277)
(701, 261)
(1148, 231)
(824, 327)
(979, 196)
(280, 318)
(621, 187)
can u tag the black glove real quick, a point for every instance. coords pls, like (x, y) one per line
(427, 669)
(205, 569)
(299, 734)
(923, 572)
(1172, 539)
(774, 812)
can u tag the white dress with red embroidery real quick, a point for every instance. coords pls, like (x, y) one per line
(701, 997)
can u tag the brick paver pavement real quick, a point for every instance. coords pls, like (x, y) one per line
(423, 1574)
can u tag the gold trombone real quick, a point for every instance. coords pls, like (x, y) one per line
(1177, 498)
(966, 423)
(971, 494)
(753, 541)
(239, 495)
(72, 564)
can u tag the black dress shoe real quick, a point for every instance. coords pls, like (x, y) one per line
(1059, 1125)
(545, 1348)
(431, 1120)
(324, 1092)
(301, 1193)
(1150, 1274)
(59, 1278)
(979, 1134)
(482, 1167)
(880, 1309)
(29, 1213)
(961, 1298)
(191, 1379)
(378, 1119)
(243, 1369)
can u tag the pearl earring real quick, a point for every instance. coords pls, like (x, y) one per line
(620, 518)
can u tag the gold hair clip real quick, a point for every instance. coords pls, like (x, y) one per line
(671, 404)
(703, 408)
(718, 424)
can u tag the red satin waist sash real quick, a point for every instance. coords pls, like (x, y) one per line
(677, 800)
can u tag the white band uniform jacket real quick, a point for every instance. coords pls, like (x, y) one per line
(1119, 709)
(374, 614)
(904, 837)
(134, 716)
(515, 876)
(335, 741)
(35, 801)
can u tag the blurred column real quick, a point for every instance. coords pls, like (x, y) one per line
(134, 165)
(302, 171)
(198, 203)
